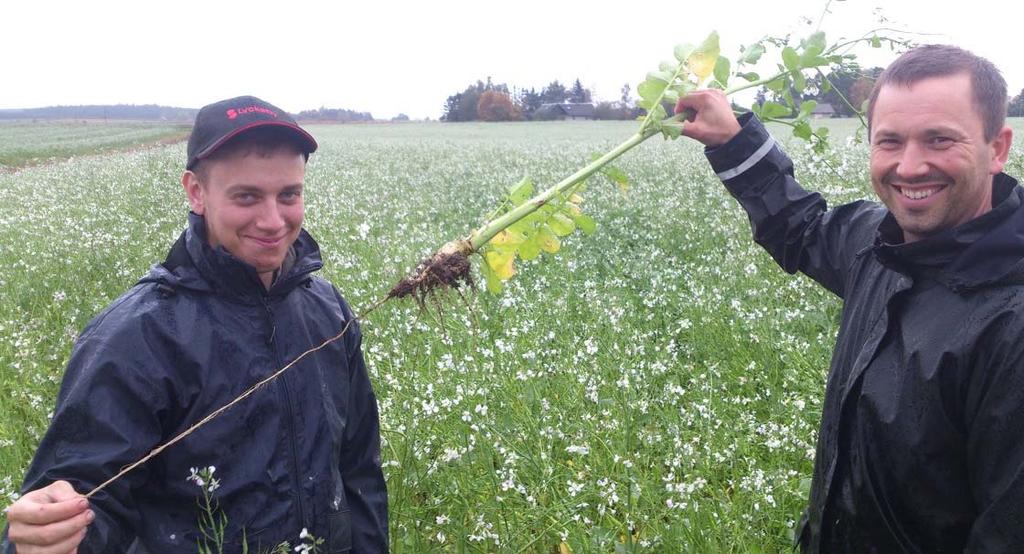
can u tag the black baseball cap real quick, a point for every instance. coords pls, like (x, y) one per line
(222, 121)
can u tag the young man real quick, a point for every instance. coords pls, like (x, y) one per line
(235, 300)
(920, 445)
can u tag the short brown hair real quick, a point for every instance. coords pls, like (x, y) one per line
(939, 60)
(261, 141)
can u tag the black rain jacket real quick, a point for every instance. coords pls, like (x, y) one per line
(198, 330)
(921, 445)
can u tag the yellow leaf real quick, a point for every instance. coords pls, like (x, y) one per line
(501, 263)
(548, 241)
(508, 238)
(564, 549)
(702, 61)
(576, 199)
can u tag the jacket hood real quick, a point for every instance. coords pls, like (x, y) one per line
(988, 250)
(193, 264)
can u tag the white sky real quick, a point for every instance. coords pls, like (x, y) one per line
(387, 57)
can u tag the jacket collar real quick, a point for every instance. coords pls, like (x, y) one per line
(193, 263)
(986, 250)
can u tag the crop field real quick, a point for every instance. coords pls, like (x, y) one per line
(30, 143)
(654, 387)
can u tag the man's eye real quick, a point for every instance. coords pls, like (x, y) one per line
(245, 198)
(941, 142)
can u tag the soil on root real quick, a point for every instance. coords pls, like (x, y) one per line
(444, 271)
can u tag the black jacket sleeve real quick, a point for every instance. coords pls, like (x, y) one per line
(106, 417)
(792, 224)
(360, 459)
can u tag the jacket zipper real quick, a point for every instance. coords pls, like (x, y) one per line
(290, 414)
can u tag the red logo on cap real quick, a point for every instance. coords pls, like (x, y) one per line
(233, 113)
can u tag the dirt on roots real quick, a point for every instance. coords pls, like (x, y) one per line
(444, 271)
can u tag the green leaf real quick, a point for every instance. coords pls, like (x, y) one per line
(750, 76)
(814, 45)
(790, 58)
(521, 192)
(876, 42)
(807, 107)
(671, 96)
(683, 52)
(722, 70)
(752, 53)
(672, 131)
(799, 82)
(822, 132)
(530, 249)
(702, 61)
(772, 110)
(777, 85)
(663, 76)
(585, 223)
(649, 91)
(493, 283)
(561, 224)
(682, 88)
(617, 176)
(667, 67)
(547, 240)
(803, 130)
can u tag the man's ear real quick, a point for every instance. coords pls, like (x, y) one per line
(194, 191)
(1001, 150)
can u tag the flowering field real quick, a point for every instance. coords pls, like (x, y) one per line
(30, 143)
(655, 387)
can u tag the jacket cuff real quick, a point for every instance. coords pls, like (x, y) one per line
(743, 151)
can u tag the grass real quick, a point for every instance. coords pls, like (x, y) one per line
(653, 388)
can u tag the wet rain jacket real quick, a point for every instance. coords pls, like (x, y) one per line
(921, 444)
(199, 329)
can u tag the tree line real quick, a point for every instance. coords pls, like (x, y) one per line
(489, 101)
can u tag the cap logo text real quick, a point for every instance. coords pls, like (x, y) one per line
(233, 113)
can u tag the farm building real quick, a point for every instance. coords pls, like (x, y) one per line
(824, 110)
(569, 112)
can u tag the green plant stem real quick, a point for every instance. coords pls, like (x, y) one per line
(484, 234)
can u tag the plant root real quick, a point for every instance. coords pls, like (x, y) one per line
(448, 269)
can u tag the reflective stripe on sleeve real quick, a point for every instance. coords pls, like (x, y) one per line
(749, 162)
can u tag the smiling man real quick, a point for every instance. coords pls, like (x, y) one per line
(919, 448)
(235, 300)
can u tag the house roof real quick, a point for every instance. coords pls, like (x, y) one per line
(823, 109)
(572, 110)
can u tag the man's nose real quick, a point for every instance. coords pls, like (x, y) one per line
(270, 217)
(913, 162)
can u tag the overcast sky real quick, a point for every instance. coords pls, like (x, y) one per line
(387, 57)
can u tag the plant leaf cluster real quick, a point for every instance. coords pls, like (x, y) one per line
(540, 231)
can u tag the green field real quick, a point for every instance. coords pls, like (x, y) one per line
(655, 387)
(29, 143)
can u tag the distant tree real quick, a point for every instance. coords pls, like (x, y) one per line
(451, 107)
(626, 99)
(400, 117)
(613, 110)
(334, 114)
(529, 102)
(495, 105)
(554, 93)
(578, 94)
(1016, 108)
